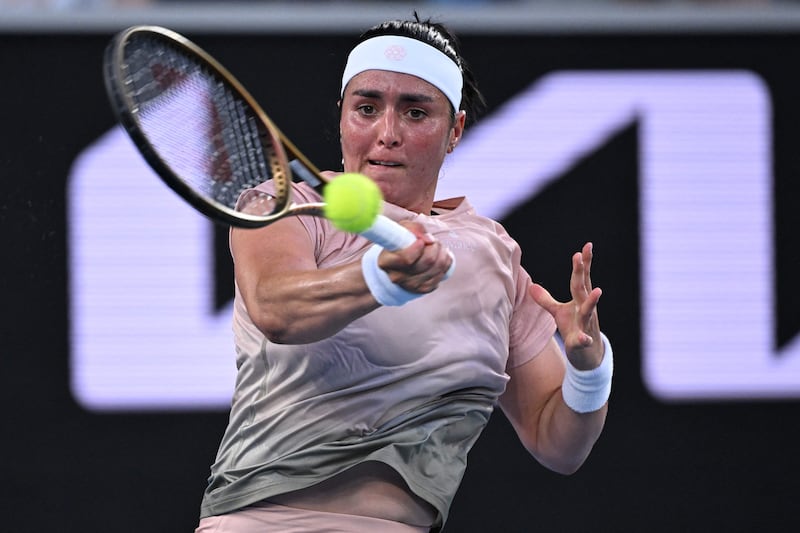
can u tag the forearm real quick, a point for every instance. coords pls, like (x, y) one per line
(293, 301)
(573, 417)
(559, 433)
(564, 437)
(302, 306)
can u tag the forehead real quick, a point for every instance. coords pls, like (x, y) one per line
(389, 83)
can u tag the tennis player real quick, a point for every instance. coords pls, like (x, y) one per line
(364, 377)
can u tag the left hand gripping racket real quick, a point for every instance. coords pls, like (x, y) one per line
(206, 137)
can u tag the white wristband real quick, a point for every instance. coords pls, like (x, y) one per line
(383, 290)
(585, 391)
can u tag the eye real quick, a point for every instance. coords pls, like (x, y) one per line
(417, 113)
(366, 109)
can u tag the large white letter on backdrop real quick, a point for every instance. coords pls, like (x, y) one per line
(145, 335)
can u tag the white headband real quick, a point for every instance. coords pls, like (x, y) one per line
(407, 56)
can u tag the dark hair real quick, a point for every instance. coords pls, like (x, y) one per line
(437, 35)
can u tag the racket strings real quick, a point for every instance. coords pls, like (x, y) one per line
(206, 133)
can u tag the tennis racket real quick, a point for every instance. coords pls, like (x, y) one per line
(207, 138)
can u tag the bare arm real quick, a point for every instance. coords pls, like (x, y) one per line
(557, 436)
(292, 301)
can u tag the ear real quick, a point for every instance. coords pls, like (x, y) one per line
(339, 107)
(457, 131)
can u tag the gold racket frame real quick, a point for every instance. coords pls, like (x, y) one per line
(276, 145)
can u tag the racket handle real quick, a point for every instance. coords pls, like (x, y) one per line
(390, 235)
(299, 170)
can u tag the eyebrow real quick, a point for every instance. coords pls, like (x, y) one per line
(404, 97)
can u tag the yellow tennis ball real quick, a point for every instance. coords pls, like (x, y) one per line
(352, 202)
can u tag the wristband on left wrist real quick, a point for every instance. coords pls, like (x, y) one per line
(586, 391)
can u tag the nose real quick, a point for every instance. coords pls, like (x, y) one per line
(389, 130)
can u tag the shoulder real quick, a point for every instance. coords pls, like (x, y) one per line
(459, 212)
(306, 193)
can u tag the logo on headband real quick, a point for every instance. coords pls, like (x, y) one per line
(395, 52)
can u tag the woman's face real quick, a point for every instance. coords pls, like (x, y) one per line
(396, 129)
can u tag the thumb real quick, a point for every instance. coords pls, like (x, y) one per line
(543, 297)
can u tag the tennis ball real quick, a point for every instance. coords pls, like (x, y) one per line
(352, 202)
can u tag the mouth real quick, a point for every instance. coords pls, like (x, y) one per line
(379, 163)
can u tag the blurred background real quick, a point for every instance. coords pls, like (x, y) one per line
(663, 131)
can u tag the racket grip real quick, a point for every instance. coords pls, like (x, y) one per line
(390, 235)
(299, 170)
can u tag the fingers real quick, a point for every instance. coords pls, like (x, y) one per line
(589, 306)
(577, 281)
(579, 314)
(585, 296)
(418, 229)
(577, 319)
(587, 254)
(420, 267)
(581, 279)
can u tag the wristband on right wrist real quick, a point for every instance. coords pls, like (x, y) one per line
(380, 285)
